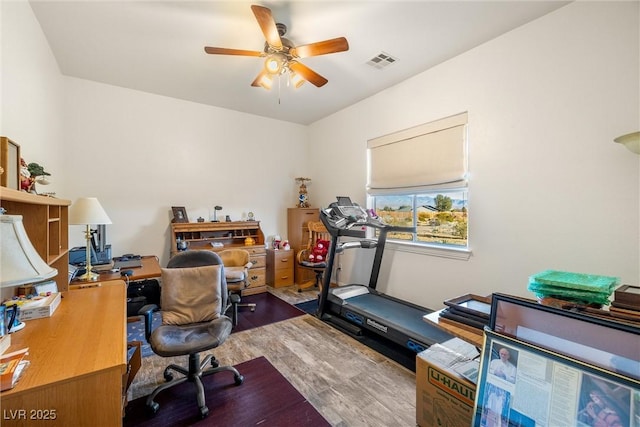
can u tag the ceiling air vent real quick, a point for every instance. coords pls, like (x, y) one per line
(381, 60)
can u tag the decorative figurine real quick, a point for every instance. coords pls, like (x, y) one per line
(215, 213)
(303, 198)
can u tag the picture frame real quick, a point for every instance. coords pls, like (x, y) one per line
(556, 380)
(474, 305)
(600, 342)
(10, 163)
(179, 214)
(628, 295)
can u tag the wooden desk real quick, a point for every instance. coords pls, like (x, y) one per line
(78, 359)
(471, 335)
(150, 270)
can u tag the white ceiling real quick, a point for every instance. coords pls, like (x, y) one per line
(158, 46)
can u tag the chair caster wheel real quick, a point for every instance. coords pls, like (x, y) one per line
(153, 408)
(239, 379)
(204, 412)
(168, 376)
(215, 363)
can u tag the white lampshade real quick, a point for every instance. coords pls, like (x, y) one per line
(19, 261)
(88, 210)
(631, 141)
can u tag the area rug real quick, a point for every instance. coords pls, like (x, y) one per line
(310, 307)
(269, 309)
(265, 398)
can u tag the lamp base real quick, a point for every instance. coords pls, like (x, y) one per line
(89, 276)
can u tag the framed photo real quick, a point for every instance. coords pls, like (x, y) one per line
(628, 295)
(520, 384)
(10, 163)
(608, 344)
(472, 304)
(179, 214)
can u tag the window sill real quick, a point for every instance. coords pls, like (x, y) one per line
(443, 252)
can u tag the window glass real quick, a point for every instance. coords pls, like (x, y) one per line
(440, 217)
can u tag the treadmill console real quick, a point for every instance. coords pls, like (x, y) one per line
(345, 214)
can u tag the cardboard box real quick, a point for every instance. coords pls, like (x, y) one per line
(41, 308)
(443, 397)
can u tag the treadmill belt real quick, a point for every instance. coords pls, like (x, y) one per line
(401, 317)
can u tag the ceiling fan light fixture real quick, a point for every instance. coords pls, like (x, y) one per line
(295, 79)
(274, 63)
(265, 81)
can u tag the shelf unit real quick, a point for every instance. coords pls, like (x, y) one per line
(229, 235)
(46, 220)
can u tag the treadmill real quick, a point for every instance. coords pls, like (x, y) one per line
(360, 309)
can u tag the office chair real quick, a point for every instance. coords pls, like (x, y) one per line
(317, 231)
(194, 300)
(236, 270)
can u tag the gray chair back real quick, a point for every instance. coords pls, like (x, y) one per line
(201, 258)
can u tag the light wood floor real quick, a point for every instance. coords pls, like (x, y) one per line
(348, 383)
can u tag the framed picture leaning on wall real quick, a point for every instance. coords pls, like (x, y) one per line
(179, 214)
(550, 389)
(10, 163)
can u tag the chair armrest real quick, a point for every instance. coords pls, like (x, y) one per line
(147, 313)
(248, 265)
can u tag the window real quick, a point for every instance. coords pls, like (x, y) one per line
(439, 217)
(417, 177)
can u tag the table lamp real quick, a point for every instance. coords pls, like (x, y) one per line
(20, 262)
(87, 211)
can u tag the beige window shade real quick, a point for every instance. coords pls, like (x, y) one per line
(425, 157)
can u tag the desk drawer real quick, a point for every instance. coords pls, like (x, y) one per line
(282, 277)
(256, 281)
(258, 261)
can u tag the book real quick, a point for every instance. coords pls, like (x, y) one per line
(12, 366)
(40, 307)
(5, 342)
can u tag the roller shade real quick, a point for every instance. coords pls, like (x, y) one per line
(426, 157)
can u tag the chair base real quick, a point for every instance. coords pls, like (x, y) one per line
(194, 374)
(234, 307)
(317, 282)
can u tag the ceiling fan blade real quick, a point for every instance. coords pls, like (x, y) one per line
(267, 25)
(339, 44)
(263, 80)
(225, 51)
(308, 74)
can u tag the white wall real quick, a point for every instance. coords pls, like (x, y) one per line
(548, 188)
(140, 154)
(31, 91)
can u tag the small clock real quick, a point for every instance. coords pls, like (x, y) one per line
(250, 216)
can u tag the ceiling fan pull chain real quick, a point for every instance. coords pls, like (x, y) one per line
(279, 80)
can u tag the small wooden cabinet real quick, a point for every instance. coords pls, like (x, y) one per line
(218, 236)
(46, 221)
(298, 235)
(280, 268)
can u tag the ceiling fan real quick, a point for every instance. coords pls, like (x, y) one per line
(281, 55)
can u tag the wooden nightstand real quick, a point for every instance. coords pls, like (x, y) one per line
(280, 268)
